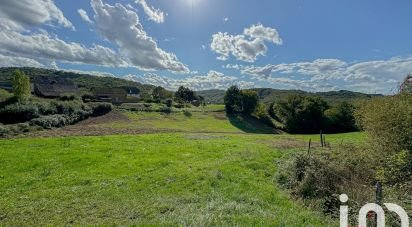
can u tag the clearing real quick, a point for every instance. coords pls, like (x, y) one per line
(136, 168)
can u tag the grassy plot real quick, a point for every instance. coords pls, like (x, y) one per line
(199, 122)
(160, 179)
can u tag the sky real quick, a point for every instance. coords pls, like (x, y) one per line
(316, 45)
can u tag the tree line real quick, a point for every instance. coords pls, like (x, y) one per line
(297, 114)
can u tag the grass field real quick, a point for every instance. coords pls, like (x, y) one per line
(203, 170)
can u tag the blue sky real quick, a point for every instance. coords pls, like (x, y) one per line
(317, 45)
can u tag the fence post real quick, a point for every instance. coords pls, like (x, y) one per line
(310, 142)
(321, 138)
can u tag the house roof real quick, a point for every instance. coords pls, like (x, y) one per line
(54, 86)
(109, 91)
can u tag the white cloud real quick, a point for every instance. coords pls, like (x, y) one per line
(42, 46)
(370, 76)
(155, 15)
(247, 46)
(121, 25)
(13, 61)
(264, 33)
(17, 14)
(84, 16)
(212, 80)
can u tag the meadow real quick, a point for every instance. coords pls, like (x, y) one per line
(137, 168)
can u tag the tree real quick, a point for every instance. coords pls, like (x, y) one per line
(301, 114)
(341, 118)
(249, 100)
(185, 94)
(240, 101)
(232, 100)
(21, 85)
(159, 93)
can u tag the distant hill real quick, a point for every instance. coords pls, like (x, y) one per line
(269, 95)
(84, 81)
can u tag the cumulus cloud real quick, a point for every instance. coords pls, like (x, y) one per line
(155, 15)
(370, 76)
(43, 46)
(14, 61)
(84, 16)
(15, 15)
(212, 80)
(121, 25)
(247, 46)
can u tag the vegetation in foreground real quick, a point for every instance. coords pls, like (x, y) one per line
(320, 176)
(160, 179)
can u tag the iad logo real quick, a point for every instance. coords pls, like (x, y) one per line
(372, 207)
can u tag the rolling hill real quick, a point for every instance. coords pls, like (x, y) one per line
(268, 95)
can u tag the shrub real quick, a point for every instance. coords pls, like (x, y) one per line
(166, 110)
(387, 122)
(69, 97)
(46, 108)
(18, 112)
(51, 121)
(179, 105)
(261, 113)
(9, 101)
(72, 107)
(101, 108)
(187, 113)
(4, 130)
(169, 102)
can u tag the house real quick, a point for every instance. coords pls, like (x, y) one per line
(407, 85)
(8, 86)
(53, 87)
(132, 92)
(112, 95)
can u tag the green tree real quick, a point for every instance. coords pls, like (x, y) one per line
(301, 114)
(341, 118)
(249, 101)
(184, 94)
(21, 85)
(232, 100)
(159, 93)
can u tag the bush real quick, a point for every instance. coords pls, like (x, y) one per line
(261, 113)
(18, 112)
(52, 121)
(75, 107)
(101, 108)
(387, 122)
(169, 102)
(68, 97)
(9, 101)
(187, 113)
(166, 110)
(179, 105)
(4, 130)
(46, 108)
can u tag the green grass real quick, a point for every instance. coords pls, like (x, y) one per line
(160, 179)
(206, 170)
(4, 95)
(212, 122)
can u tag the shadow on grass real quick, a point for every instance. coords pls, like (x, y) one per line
(250, 124)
